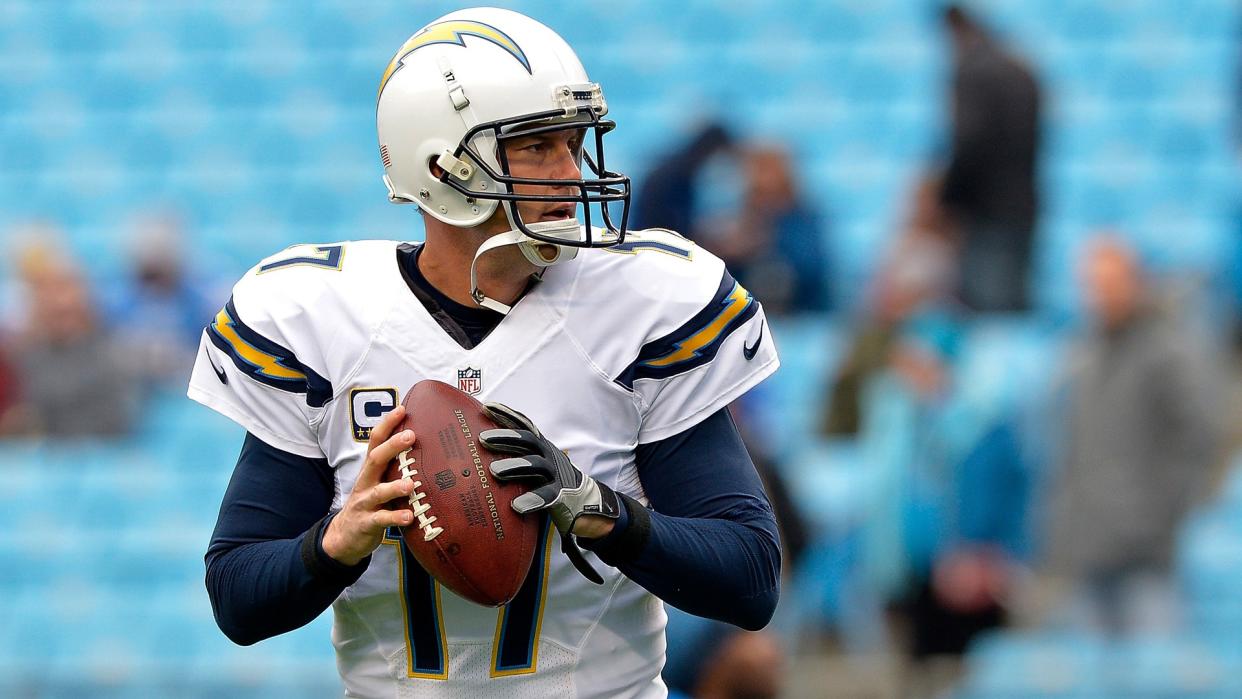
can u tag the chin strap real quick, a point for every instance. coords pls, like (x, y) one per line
(533, 250)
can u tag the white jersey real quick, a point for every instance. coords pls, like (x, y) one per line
(615, 348)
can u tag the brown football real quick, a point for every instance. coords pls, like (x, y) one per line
(465, 533)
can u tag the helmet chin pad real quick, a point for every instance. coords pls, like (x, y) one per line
(537, 250)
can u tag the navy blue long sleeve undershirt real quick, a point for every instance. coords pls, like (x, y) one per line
(266, 569)
(709, 545)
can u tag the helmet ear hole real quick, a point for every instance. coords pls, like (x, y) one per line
(434, 168)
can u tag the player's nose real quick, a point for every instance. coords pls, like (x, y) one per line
(568, 166)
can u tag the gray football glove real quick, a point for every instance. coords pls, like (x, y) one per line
(563, 491)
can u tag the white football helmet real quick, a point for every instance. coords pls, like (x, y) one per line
(456, 91)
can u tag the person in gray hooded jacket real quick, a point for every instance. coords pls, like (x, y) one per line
(1141, 440)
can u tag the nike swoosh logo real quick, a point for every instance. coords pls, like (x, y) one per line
(749, 352)
(219, 372)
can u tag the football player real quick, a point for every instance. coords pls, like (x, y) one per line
(608, 356)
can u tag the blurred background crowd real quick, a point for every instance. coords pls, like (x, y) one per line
(998, 243)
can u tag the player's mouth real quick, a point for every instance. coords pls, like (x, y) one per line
(559, 213)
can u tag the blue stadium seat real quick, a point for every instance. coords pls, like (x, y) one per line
(1005, 361)
(25, 561)
(835, 484)
(1169, 667)
(791, 401)
(1018, 665)
(1209, 565)
(1021, 666)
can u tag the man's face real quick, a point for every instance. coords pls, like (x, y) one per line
(923, 370)
(769, 181)
(60, 305)
(556, 155)
(1112, 284)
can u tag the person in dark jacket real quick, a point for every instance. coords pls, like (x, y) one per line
(667, 195)
(990, 181)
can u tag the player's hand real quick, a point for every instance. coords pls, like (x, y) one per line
(358, 529)
(577, 503)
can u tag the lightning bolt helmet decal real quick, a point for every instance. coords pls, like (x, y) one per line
(454, 32)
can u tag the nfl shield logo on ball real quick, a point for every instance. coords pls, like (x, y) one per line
(470, 380)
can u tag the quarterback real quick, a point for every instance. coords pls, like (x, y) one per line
(611, 353)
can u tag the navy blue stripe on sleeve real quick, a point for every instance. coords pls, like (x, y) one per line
(266, 569)
(265, 361)
(698, 340)
(709, 546)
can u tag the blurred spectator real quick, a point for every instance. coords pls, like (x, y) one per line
(918, 274)
(668, 195)
(1140, 444)
(711, 660)
(746, 665)
(75, 380)
(773, 244)
(949, 522)
(161, 309)
(25, 244)
(13, 311)
(9, 391)
(1235, 266)
(989, 183)
(771, 240)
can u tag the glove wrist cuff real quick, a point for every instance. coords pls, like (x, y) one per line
(628, 540)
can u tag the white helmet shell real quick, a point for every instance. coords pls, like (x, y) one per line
(469, 68)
